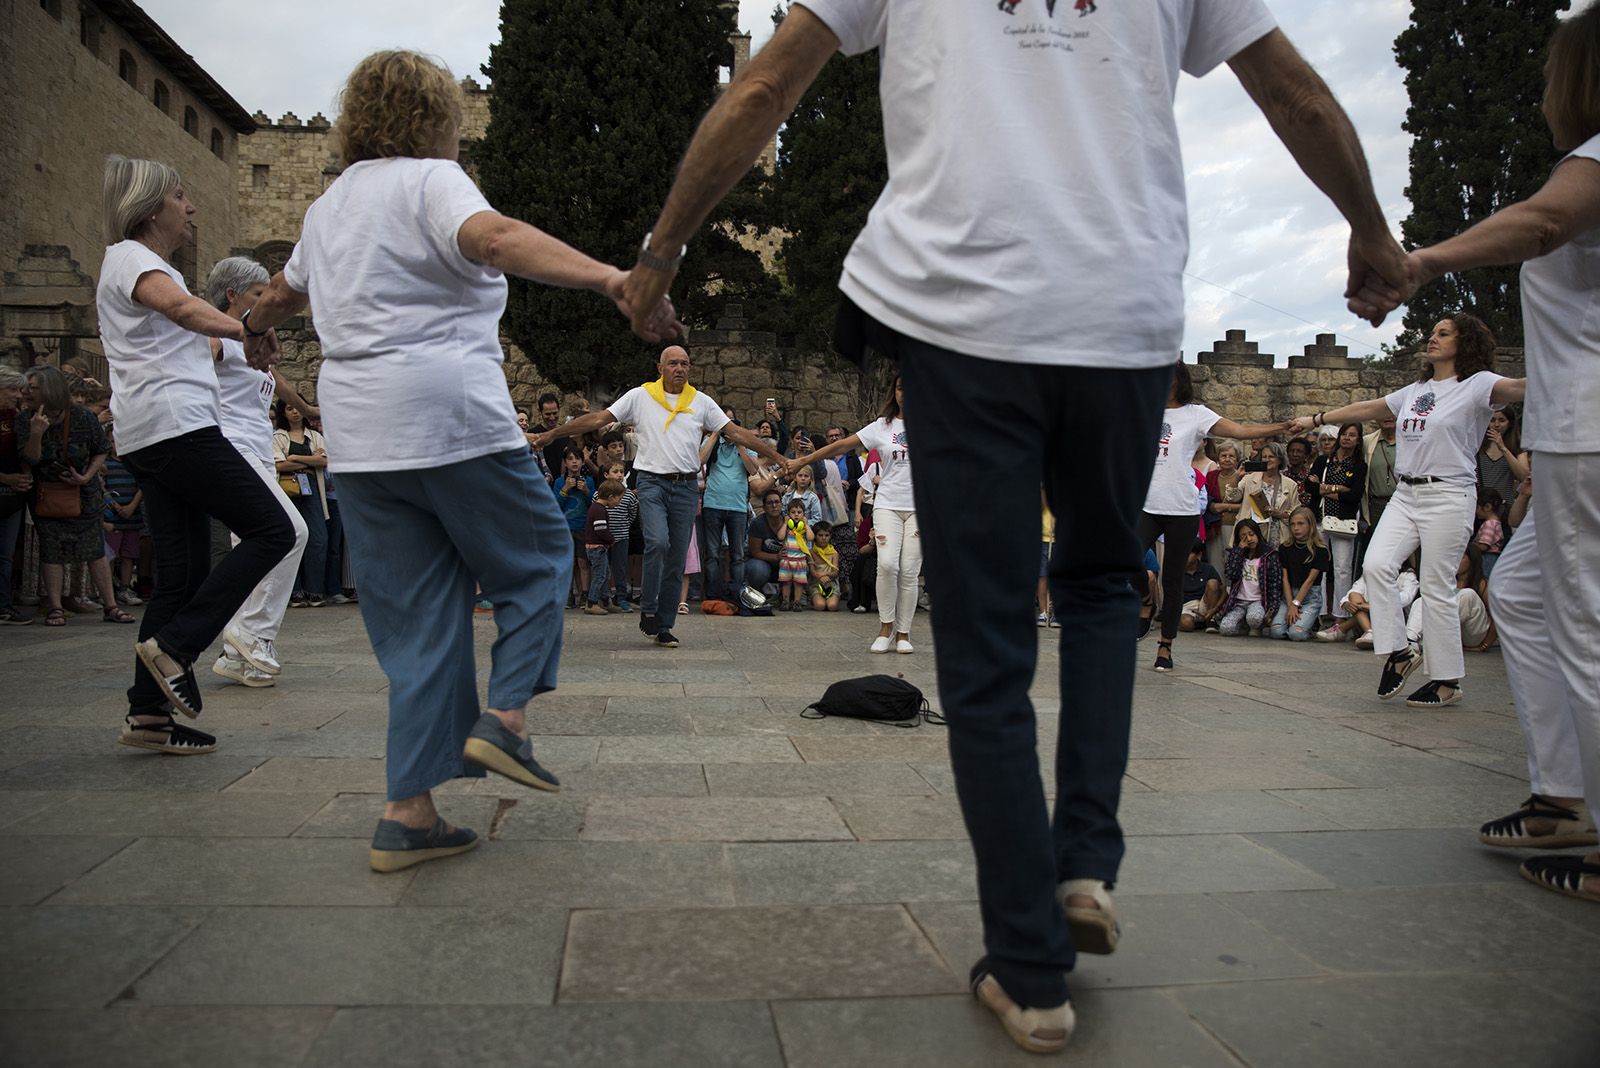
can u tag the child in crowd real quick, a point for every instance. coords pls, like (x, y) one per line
(124, 523)
(1305, 559)
(825, 571)
(1255, 581)
(1202, 593)
(1358, 624)
(1047, 543)
(1491, 536)
(624, 513)
(793, 573)
(574, 492)
(597, 542)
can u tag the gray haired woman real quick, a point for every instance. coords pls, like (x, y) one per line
(165, 400)
(1270, 497)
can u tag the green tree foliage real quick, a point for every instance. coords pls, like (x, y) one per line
(831, 167)
(592, 108)
(1474, 72)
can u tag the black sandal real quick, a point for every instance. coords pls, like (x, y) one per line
(169, 737)
(1163, 659)
(1146, 620)
(1562, 874)
(1511, 832)
(1428, 695)
(1395, 671)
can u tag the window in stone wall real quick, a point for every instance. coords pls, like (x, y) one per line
(191, 123)
(89, 31)
(218, 145)
(51, 8)
(260, 176)
(162, 97)
(127, 69)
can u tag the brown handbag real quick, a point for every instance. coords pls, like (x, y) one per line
(59, 500)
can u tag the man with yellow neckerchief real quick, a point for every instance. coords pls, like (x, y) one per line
(671, 419)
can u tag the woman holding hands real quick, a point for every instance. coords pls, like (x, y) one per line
(1545, 591)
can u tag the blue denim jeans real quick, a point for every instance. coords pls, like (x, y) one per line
(10, 527)
(759, 573)
(666, 512)
(314, 562)
(988, 434)
(421, 540)
(599, 573)
(333, 570)
(1306, 626)
(617, 560)
(723, 524)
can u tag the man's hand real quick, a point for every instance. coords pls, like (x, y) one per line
(263, 352)
(1381, 279)
(641, 296)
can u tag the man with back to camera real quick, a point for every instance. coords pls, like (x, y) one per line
(959, 277)
(670, 417)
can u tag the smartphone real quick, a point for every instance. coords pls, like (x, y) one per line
(1253, 465)
(771, 401)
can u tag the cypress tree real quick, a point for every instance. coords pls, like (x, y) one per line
(1474, 73)
(593, 105)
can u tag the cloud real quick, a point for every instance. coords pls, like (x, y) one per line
(1258, 226)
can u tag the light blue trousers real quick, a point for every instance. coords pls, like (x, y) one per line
(422, 540)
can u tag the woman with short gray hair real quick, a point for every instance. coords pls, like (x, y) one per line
(166, 403)
(1269, 497)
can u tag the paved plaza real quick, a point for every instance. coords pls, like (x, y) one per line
(721, 882)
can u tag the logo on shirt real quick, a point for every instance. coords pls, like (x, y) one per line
(900, 438)
(1082, 7)
(1420, 408)
(1164, 446)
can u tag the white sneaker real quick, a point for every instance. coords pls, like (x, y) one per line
(1330, 635)
(881, 644)
(242, 671)
(859, 609)
(1365, 641)
(1043, 620)
(903, 646)
(257, 652)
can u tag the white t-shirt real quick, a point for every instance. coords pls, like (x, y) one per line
(410, 328)
(162, 384)
(1035, 209)
(663, 449)
(246, 402)
(1439, 426)
(894, 461)
(1561, 329)
(1173, 490)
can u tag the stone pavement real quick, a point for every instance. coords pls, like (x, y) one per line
(722, 882)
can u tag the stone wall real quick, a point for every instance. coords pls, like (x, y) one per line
(1240, 382)
(283, 167)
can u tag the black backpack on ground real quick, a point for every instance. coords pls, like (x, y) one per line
(880, 698)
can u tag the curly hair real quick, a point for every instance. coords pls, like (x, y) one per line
(1475, 344)
(397, 103)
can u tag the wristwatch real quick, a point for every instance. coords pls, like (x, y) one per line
(659, 263)
(1297, 604)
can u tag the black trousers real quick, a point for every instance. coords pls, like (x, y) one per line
(188, 480)
(986, 434)
(1180, 532)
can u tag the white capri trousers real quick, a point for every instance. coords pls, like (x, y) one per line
(1437, 517)
(1545, 592)
(262, 612)
(899, 566)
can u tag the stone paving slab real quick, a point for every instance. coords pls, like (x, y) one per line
(37, 867)
(851, 873)
(711, 954)
(128, 1037)
(404, 956)
(580, 874)
(1361, 859)
(84, 957)
(1402, 805)
(173, 814)
(713, 819)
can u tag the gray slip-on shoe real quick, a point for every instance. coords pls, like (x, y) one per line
(396, 846)
(491, 745)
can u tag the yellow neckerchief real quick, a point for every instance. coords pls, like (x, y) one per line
(658, 392)
(799, 534)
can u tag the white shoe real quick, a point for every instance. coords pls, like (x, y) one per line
(1332, 634)
(859, 609)
(257, 652)
(1365, 641)
(242, 671)
(881, 644)
(903, 646)
(1043, 620)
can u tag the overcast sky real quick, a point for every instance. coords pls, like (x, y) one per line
(1258, 226)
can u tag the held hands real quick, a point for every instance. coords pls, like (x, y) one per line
(1382, 276)
(264, 352)
(641, 296)
(1303, 425)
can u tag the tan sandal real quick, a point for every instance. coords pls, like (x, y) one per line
(1035, 1030)
(1094, 930)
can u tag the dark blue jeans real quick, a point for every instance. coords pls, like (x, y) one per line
(988, 434)
(666, 511)
(720, 524)
(333, 570)
(10, 527)
(314, 564)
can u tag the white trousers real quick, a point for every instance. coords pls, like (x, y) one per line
(262, 612)
(899, 566)
(1469, 609)
(1437, 517)
(1545, 592)
(1342, 547)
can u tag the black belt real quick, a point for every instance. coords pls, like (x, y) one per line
(672, 477)
(1412, 480)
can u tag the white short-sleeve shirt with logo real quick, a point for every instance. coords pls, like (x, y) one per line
(663, 449)
(246, 402)
(888, 437)
(1173, 490)
(1035, 209)
(1439, 426)
(162, 382)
